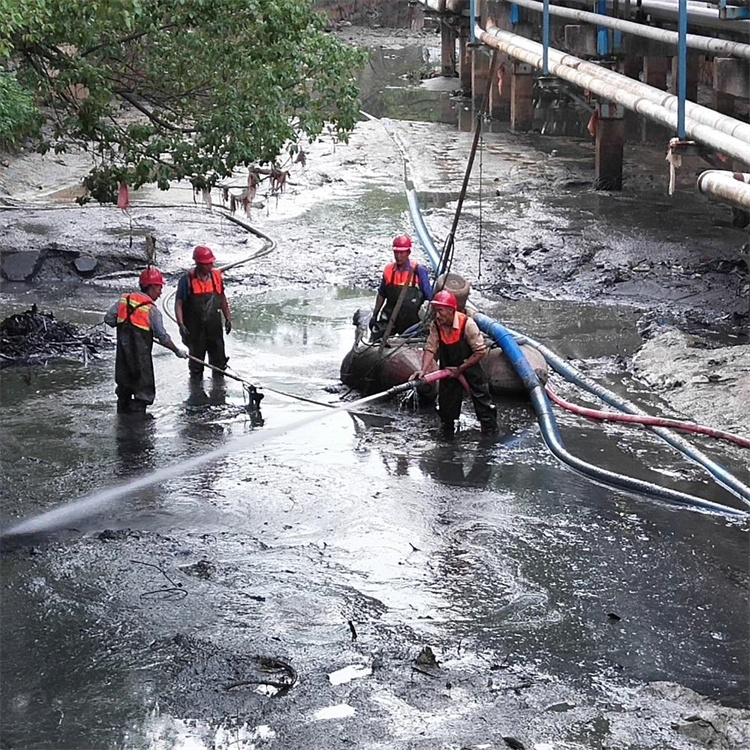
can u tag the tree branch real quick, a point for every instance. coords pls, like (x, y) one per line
(128, 97)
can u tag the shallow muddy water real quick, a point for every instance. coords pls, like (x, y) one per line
(550, 602)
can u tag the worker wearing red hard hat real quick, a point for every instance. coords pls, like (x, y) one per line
(456, 342)
(138, 321)
(199, 305)
(403, 288)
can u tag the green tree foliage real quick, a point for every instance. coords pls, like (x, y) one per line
(172, 89)
(19, 116)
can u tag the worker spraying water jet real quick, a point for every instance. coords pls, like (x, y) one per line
(98, 502)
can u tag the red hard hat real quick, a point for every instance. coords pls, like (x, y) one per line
(203, 255)
(151, 277)
(445, 299)
(402, 244)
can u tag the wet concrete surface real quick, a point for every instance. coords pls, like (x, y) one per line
(562, 614)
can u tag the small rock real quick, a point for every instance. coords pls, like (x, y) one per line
(85, 264)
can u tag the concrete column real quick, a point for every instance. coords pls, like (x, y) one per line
(500, 90)
(723, 103)
(631, 67)
(610, 139)
(465, 60)
(480, 71)
(416, 16)
(448, 49)
(693, 70)
(521, 105)
(654, 74)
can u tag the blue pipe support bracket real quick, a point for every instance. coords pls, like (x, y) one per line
(551, 433)
(473, 18)
(545, 39)
(515, 14)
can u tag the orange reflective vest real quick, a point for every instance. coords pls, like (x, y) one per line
(454, 335)
(135, 309)
(394, 276)
(214, 284)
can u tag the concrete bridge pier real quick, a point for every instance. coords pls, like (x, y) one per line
(654, 74)
(416, 16)
(448, 37)
(631, 66)
(480, 72)
(610, 140)
(693, 69)
(521, 104)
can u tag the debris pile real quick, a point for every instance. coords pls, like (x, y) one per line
(32, 337)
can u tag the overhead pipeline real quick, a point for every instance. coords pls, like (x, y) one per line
(730, 126)
(712, 45)
(531, 52)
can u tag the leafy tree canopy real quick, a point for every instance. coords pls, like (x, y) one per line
(171, 89)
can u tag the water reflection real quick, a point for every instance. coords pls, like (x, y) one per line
(135, 443)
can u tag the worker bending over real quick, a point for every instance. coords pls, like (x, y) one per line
(199, 305)
(403, 280)
(138, 322)
(456, 342)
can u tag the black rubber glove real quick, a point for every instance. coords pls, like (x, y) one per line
(228, 326)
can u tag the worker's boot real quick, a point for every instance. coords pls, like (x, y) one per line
(447, 428)
(490, 429)
(123, 405)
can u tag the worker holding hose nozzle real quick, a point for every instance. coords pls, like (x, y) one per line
(138, 322)
(199, 305)
(457, 343)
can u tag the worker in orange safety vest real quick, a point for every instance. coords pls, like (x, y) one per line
(456, 341)
(199, 305)
(396, 276)
(138, 321)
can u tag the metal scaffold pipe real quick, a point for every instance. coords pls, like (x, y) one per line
(722, 47)
(613, 90)
(696, 112)
(730, 186)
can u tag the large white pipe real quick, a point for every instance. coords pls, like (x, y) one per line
(730, 186)
(606, 89)
(698, 17)
(703, 115)
(705, 43)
